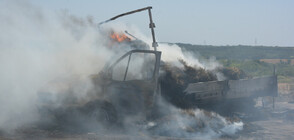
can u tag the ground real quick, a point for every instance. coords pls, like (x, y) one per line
(277, 123)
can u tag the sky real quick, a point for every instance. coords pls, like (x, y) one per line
(206, 22)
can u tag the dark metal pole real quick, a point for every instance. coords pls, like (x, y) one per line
(124, 14)
(275, 94)
(131, 35)
(152, 26)
(273, 102)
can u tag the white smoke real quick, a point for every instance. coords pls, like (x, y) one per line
(172, 53)
(193, 123)
(37, 47)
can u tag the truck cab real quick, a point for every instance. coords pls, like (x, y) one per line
(130, 84)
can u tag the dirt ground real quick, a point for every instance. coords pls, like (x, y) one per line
(268, 123)
(277, 123)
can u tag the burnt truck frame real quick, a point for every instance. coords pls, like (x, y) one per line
(137, 91)
(135, 95)
(140, 95)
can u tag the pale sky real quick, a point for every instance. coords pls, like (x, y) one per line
(211, 22)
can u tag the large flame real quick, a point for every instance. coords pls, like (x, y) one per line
(119, 37)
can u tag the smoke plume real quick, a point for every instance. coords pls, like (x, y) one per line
(38, 47)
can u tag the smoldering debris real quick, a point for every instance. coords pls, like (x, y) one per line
(194, 123)
(99, 116)
(232, 73)
(175, 79)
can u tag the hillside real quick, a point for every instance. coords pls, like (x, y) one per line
(240, 51)
(253, 60)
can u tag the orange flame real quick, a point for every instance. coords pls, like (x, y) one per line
(119, 37)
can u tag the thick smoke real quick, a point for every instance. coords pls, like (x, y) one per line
(175, 53)
(38, 47)
(193, 123)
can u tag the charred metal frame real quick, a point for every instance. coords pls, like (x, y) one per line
(155, 76)
(157, 62)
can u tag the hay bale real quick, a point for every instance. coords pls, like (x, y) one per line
(175, 80)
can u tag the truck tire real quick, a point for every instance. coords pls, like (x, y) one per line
(100, 113)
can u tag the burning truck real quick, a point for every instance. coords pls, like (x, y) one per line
(139, 71)
(133, 86)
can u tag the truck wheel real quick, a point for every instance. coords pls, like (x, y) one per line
(101, 113)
